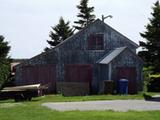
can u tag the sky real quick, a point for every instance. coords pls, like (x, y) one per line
(26, 24)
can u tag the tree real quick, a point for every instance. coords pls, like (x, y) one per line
(4, 61)
(151, 46)
(59, 33)
(85, 15)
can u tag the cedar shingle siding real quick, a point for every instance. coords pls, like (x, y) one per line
(93, 55)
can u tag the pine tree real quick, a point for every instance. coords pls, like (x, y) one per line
(85, 15)
(4, 61)
(59, 33)
(151, 47)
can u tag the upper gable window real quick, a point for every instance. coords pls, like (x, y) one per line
(96, 42)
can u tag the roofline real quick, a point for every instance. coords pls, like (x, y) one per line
(19, 59)
(121, 53)
(135, 44)
(135, 55)
(69, 38)
(110, 53)
(74, 35)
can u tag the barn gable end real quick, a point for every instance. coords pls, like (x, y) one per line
(81, 52)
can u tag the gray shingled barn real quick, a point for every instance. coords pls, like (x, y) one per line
(95, 54)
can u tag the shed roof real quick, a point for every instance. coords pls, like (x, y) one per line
(113, 54)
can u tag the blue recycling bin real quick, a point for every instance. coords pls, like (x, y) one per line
(123, 86)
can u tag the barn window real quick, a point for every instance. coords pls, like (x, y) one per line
(96, 42)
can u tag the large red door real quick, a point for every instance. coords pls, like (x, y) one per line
(78, 73)
(43, 74)
(128, 73)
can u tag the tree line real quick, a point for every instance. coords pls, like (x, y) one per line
(151, 46)
(151, 50)
(4, 61)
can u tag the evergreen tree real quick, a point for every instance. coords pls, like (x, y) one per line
(85, 15)
(59, 33)
(151, 47)
(4, 61)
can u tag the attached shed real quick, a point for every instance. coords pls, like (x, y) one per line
(122, 63)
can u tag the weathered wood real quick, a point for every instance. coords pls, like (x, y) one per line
(73, 88)
(75, 50)
(20, 93)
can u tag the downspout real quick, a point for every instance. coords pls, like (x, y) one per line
(110, 72)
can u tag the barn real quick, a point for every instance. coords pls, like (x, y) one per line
(95, 54)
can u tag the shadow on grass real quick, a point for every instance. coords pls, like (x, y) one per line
(7, 101)
(150, 98)
(13, 101)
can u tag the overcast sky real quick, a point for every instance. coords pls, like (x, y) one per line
(26, 23)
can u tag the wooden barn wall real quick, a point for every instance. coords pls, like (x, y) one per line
(126, 59)
(75, 51)
(102, 73)
(112, 38)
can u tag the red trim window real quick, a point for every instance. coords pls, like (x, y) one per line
(96, 42)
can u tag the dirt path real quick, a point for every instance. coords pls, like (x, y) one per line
(116, 105)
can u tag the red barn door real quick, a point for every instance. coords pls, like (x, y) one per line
(43, 74)
(128, 73)
(78, 73)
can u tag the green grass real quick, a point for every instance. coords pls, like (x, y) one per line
(9, 110)
(60, 98)
(36, 112)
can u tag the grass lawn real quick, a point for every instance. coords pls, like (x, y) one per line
(60, 98)
(9, 110)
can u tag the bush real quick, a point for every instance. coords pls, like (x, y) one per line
(154, 83)
(4, 72)
(151, 80)
(146, 75)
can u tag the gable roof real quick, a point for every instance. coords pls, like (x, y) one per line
(108, 58)
(130, 41)
(69, 38)
(79, 32)
(63, 42)
(99, 21)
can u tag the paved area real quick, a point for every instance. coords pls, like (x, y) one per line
(116, 105)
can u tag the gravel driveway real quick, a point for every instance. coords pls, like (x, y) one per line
(116, 105)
